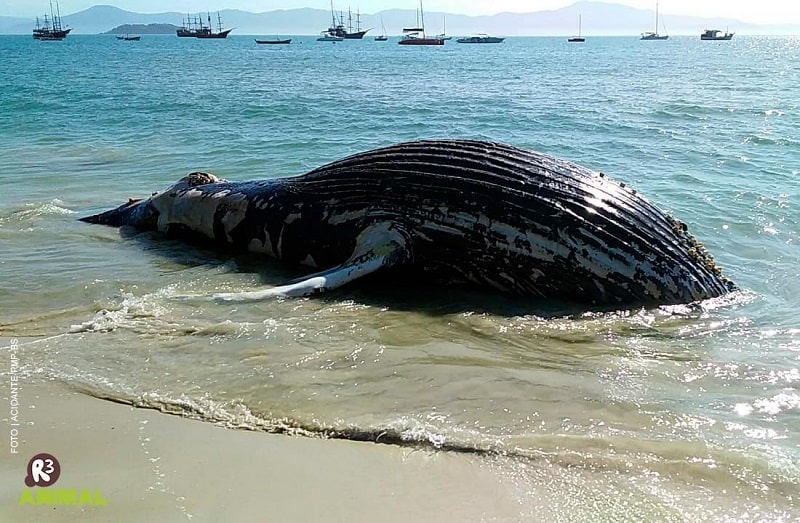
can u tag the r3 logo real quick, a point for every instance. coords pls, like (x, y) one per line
(43, 470)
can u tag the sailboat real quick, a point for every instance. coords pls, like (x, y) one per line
(579, 38)
(382, 37)
(653, 35)
(443, 34)
(416, 35)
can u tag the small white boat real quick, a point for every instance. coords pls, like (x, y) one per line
(328, 37)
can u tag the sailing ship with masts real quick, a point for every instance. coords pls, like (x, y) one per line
(337, 29)
(193, 27)
(50, 28)
(190, 26)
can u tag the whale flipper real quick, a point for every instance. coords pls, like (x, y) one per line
(378, 246)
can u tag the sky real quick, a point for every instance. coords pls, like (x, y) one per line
(761, 12)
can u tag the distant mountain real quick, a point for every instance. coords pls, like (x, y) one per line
(599, 18)
(143, 29)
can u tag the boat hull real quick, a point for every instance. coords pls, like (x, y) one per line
(50, 34)
(344, 34)
(274, 42)
(421, 41)
(651, 36)
(480, 40)
(223, 34)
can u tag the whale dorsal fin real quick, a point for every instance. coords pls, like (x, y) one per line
(380, 245)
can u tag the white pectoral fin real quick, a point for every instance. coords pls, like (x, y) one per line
(378, 246)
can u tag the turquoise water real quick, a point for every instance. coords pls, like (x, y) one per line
(679, 414)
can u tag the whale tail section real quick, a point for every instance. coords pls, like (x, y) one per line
(379, 246)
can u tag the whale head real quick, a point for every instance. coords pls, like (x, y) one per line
(143, 214)
(137, 213)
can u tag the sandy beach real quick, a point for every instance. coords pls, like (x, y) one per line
(149, 466)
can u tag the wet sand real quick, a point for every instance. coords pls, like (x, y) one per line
(150, 466)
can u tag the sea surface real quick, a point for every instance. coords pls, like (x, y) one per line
(667, 414)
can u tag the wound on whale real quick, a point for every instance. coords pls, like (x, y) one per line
(484, 214)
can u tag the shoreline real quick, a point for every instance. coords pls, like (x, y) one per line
(159, 467)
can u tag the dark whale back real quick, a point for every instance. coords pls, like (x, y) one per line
(521, 221)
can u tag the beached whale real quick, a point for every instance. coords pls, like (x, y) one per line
(485, 214)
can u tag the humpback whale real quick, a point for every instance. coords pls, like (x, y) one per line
(484, 214)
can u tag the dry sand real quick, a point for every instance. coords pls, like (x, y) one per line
(151, 466)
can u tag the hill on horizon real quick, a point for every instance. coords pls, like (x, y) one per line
(599, 19)
(143, 29)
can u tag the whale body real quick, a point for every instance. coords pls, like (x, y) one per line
(478, 213)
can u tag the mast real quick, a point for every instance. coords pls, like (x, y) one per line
(579, 25)
(422, 18)
(656, 31)
(53, 16)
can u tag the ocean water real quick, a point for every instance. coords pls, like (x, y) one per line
(669, 414)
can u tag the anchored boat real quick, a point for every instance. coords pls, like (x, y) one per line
(50, 28)
(715, 34)
(416, 35)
